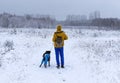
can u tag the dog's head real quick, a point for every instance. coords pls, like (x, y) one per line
(48, 52)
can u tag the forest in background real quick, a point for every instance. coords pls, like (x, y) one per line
(46, 21)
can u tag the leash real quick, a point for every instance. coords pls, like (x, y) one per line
(52, 47)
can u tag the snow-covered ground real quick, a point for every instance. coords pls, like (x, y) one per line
(91, 56)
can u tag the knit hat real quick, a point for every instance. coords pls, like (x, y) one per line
(59, 28)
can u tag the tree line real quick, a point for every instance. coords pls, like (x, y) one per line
(14, 21)
(45, 21)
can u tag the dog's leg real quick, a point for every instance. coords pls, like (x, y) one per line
(49, 63)
(45, 65)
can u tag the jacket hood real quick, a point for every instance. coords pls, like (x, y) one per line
(59, 28)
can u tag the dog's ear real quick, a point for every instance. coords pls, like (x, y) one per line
(44, 54)
(49, 51)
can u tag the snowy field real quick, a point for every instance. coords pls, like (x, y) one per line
(91, 56)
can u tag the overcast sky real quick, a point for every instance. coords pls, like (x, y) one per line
(61, 8)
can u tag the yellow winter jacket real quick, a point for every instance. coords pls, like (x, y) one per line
(60, 33)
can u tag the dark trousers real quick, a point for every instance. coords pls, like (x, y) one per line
(59, 55)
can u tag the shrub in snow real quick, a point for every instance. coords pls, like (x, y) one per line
(14, 31)
(95, 35)
(8, 45)
(0, 62)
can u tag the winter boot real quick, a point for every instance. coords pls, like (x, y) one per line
(58, 66)
(62, 66)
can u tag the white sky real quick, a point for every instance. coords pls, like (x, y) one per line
(61, 8)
